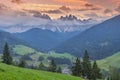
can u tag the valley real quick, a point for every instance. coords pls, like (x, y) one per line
(59, 40)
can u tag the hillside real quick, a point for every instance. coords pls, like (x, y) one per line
(113, 61)
(34, 57)
(101, 40)
(44, 40)
(9, 38)
(14, 73)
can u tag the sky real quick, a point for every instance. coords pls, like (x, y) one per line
(22, 15)
(83, 9)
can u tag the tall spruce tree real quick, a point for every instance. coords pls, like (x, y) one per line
(7, 58)
(52, 66)
(77, 69)
(86, 66)
(96, 72)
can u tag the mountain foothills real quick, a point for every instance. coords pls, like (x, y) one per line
(113, 61)
(11, 39)
(44, 40)
(63, 52)
(101, 40)
(59, 40)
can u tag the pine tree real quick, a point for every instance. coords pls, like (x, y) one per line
(77, 69)
(7, 58)
(42, 66)
(114, 74)
(59, 70)
(86, 66)
(52, 66)
(96, 72)
(22, 63)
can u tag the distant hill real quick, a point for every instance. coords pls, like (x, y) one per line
(10, 39)
(113, 61)
(8, 72)
(34, 57)
(44, 40)
(101, 40)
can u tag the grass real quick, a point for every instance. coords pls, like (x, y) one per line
(113, 61)
(15, 73)
(23, 50)
(35, 55)
(53, 54)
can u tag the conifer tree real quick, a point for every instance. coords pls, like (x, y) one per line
(77, 69)
(86, 66)
(96, 72)
(59, 70)
(42, 66)
(114, 74)
(7, 58)
(22, 63)
(52, 66)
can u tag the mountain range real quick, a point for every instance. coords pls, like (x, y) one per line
(44, 40)
(101, 40)
(14, 20)
(9, 38)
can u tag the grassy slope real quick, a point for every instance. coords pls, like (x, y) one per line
(113, 60)
(104, 63)
(22, 50)
(14, 73)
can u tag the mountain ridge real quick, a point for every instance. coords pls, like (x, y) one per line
(44, 40)
(99, 45)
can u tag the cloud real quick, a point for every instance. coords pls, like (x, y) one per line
(65, 8)
(91, 15)
(83, 9)
(53, 11)
(16, 1)
(118, 9)
(107, 11)
(92, 8)
(38, 14)
(3, 7)
(73, 2)
(23, 23)
(89, 5)
(96, 8)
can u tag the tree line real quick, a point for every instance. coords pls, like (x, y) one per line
(81, 67)
(84, 68)
(7, 59)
